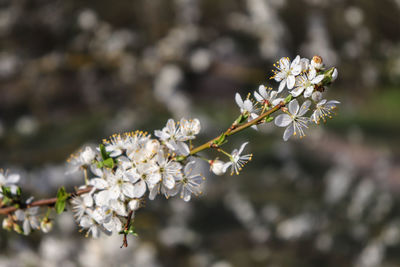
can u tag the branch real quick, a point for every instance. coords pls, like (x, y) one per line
(231, 131)
(43, 202)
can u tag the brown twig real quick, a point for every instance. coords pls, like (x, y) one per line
(126, 229)
(43, 202)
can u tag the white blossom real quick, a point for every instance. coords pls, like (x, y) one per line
(267, 97)
(237, 161)
(173, 138)
(217, 167)
(30, 219)
(189, 129)
(188, 184)
(306, 83)
(9, 180)
(323, 110)
(80, 204)
(294, 121)
(286, 72)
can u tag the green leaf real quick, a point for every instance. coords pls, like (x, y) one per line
(109, 163)
(269, 119)
(220, 140)
(132, 230)
(62, 197)
(100, 164)
(6, 191)
(288, 98)
(104, 154)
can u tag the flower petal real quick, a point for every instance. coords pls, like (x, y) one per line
(304, 108)
(283, 120)
(290, 81)
(297, 91)
(239, 100)
(282, 85)
(288, 132)
(293, 107)
(140, 189)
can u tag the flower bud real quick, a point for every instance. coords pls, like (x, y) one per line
(8, 224)
(334, 74)
(316, 96)
(316, 62)
(88, 155)
(217, 167)
(330, 75)
(46, 225)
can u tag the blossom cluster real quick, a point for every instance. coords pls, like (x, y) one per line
(128, 168)
(304, 80)
(131, 166)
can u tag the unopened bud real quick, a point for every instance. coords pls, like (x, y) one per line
(46, 225)
(316, 96)
(217, 167)
(334, 74)
(8, 224)
(331, 75)
(317, 63)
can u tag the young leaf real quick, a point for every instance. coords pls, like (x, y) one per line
(103, 152)
(62, 197)
(109, 163)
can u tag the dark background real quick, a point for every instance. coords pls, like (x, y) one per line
(74, 72)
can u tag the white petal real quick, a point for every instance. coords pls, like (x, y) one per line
(277, 101)
(226, 166)
(154, 178)
(102, 198)
(258, 97)
(134, 204)
(169, 182)
(279, 76)
(86, 221)
(26, 227)
(114, 192)
(239, 100)
(284, 63)
(308, 92)
(282, 85)
(297, 91)
(242, 147)
(283, 120)
(171, 126)
(317, 79)
(312, 73)
(262, 91)
(127, 189)
(296, 70)
(140, 189)
(189, 167)
(288, 132)
(290, 81)
(248, 105)
(304, 108)
(186, 194)
(88, 200)
(296, 61)
(293, 107)
(20, 214)
(183, 148)
(13, 178)
(99, 183)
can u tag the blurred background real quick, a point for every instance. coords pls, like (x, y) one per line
(74, 72)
